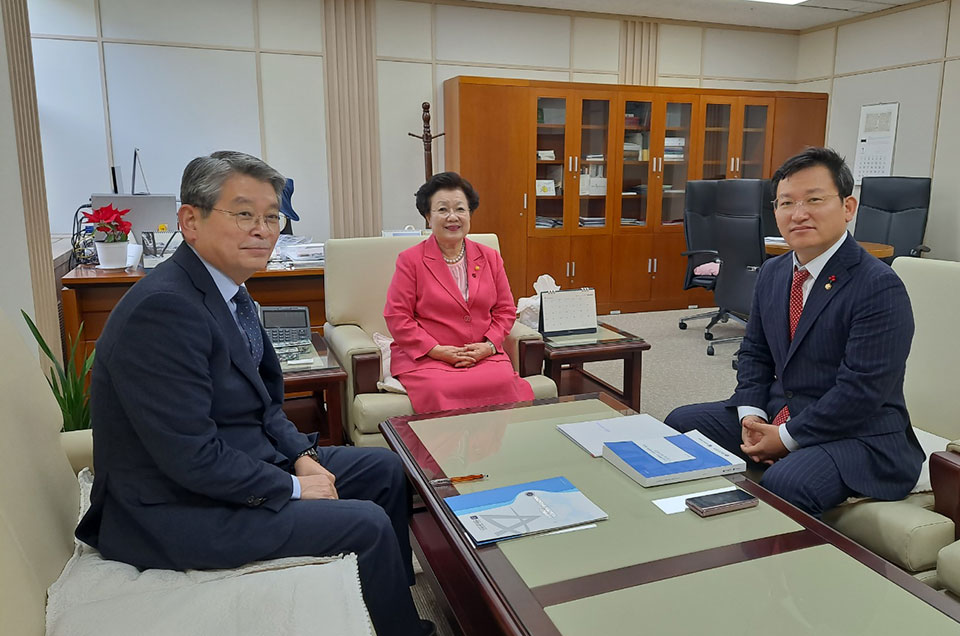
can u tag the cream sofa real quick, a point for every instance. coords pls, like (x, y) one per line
(50, 583)
(912, 532)
(357, 274)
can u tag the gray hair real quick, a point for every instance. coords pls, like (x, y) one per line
(204, 176)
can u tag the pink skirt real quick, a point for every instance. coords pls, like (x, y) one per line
(486, 383)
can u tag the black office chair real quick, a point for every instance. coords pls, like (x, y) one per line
(699, 208)
(767, 213)
(738, 231)
(893, 210)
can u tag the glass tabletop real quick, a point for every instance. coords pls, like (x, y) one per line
(605, 334)
(314, 357)
(518, 445)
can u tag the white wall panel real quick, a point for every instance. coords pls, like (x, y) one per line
(750, 86)
(401, 88)
(943, 224)
(900, 38)
(295, 135)
(176, 104)
(815, 54)
(63, 17)
(596, 78)
(679, 50)
(685, 82)
(596, 44)
(208, 22)
(915, 88)
(502, 37)
(749, 54)
(816, 86)
(291, 25)
(72, 127)
(403, 29)
(953, 34)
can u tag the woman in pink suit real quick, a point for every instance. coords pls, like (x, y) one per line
(449, 309)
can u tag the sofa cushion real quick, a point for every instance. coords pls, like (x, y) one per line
(906, 532)
(948, 567)
(369, 409)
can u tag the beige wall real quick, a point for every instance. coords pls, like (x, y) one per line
(15, 284)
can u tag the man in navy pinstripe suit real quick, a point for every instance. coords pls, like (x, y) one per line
(819, 398)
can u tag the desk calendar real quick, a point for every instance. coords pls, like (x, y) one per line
(568, 311)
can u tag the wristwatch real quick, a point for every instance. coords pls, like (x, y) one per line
(311, 453)
(492, 346)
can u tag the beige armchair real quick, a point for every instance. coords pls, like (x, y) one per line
(912, 532)
(50, 584)
(357, 274)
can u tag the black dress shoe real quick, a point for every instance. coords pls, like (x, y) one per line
(427, 628)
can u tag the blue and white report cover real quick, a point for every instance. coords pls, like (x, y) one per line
(530, 508)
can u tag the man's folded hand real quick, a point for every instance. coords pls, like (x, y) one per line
(317, 487)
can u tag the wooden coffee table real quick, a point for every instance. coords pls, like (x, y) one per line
(564, 357)
(670, 574)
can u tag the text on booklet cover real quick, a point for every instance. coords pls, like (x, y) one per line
(521, 509)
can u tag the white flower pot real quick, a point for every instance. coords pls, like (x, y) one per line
(112, 255)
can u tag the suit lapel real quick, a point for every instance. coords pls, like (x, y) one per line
(839, 267)
(780, 306)
(433, 259)
(239, 350)
(475, 266)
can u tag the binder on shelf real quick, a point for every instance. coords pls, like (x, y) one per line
(568, 311)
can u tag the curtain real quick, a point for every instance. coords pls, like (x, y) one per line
(638, 52)
(350, 83)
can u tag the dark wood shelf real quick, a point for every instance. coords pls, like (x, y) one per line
(635, 162)
(549, 197)
(716, 129)
(755, 130)
(711, 162)
(552, 126)
(549, 162)
(594, 127)
(637, 128)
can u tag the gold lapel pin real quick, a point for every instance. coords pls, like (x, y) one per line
(477, 268)
(831, 280)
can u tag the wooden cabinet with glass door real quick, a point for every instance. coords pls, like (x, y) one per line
(736, 137)
(572, 146)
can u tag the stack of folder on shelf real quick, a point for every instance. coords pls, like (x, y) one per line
(592, 221)
(673, 148)
(548, 221)
(593, 158)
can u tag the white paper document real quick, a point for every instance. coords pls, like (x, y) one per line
(664, 451)
(590, 436)
(673, 505)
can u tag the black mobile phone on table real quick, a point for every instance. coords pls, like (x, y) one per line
(720, 502)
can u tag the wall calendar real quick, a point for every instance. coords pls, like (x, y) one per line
(875, 141)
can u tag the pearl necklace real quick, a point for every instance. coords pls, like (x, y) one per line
(454, 261)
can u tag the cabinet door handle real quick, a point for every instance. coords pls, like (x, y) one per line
(731, 164)
(649, 265)
(738, 164)
(573, 274)
(570, 163)
(660, 163)
(576, 164)
(654, 266)
(524, 200)
(568, 269)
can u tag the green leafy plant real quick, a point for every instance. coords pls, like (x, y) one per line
(68, 383)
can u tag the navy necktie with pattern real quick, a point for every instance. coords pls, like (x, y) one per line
(250, 323)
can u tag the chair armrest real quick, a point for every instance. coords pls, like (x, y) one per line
(78, 446)
(945, 480)
(358, 354)
(697, 252)
(918, 250)
(524, 347)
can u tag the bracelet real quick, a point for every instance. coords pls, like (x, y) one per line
(492, 346)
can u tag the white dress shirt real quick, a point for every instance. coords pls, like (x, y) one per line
(814, 268)
(228, 289)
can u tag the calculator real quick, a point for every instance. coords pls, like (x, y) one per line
(287, 327)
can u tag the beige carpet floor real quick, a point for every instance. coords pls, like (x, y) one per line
(676, 371)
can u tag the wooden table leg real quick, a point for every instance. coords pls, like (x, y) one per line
(631, 380)
(554, 371)
(334, 413)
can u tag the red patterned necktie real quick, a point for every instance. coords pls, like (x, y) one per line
(796, 308)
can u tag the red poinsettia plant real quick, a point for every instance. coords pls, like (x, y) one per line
(109, 220)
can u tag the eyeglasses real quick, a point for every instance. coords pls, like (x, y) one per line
(811, 203)
(246, 221)
(444, 211)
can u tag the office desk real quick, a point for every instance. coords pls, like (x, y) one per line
(769, 568)
(880, 250)
(90, 294)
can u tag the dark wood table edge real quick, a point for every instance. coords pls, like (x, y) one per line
(502, 611)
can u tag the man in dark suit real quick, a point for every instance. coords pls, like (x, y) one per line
(196, 464)
(819, 398)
